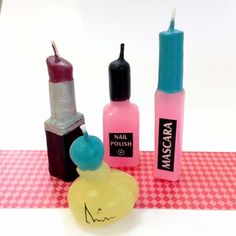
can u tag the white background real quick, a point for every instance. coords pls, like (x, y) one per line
(88, 34)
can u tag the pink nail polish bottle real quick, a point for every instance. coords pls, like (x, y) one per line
(169, 105)
(120, 118)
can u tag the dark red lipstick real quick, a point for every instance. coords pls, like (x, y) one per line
(63, 127)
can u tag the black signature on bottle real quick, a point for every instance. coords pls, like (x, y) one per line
(88, 213)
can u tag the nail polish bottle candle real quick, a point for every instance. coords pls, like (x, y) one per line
(169, 105)
(120, 118)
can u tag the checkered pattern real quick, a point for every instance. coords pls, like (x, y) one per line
(208, 181)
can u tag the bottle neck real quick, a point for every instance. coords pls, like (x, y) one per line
(99, 174)
(121, 102)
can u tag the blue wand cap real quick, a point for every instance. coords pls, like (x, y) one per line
(170, 78)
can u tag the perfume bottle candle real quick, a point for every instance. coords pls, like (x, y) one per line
(63, 127)
(169, 105)
(101, 195)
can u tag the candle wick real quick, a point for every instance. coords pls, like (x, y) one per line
(55, 49)
(173, 14)
(172, 22)
(85, 133)
(0, 6)
(122, 47)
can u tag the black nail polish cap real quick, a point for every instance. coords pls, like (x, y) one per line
(119, 78)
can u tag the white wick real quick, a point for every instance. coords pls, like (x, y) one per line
(173, 14)
(0, 6)
(83, 128)
(55, 48)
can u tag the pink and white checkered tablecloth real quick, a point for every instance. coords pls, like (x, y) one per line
(208, 181)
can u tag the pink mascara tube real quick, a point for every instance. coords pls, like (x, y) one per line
(169, 105)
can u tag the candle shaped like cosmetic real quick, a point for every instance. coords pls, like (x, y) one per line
(120, 118)
(101, 195)
(63, 127)
(169, 105)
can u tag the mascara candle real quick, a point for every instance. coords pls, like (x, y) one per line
(169, 105)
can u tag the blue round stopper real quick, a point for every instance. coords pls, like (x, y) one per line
(87, 152)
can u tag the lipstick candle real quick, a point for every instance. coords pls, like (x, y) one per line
(169, 105)
(63, 127)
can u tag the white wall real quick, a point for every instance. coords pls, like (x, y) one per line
(88, 34)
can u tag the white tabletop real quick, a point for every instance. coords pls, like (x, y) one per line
(140, 222)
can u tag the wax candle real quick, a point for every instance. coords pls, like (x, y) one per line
(120, 118)
(169, 105)
(101, 195)
(63, 127)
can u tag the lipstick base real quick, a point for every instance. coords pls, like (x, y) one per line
(60, 164)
